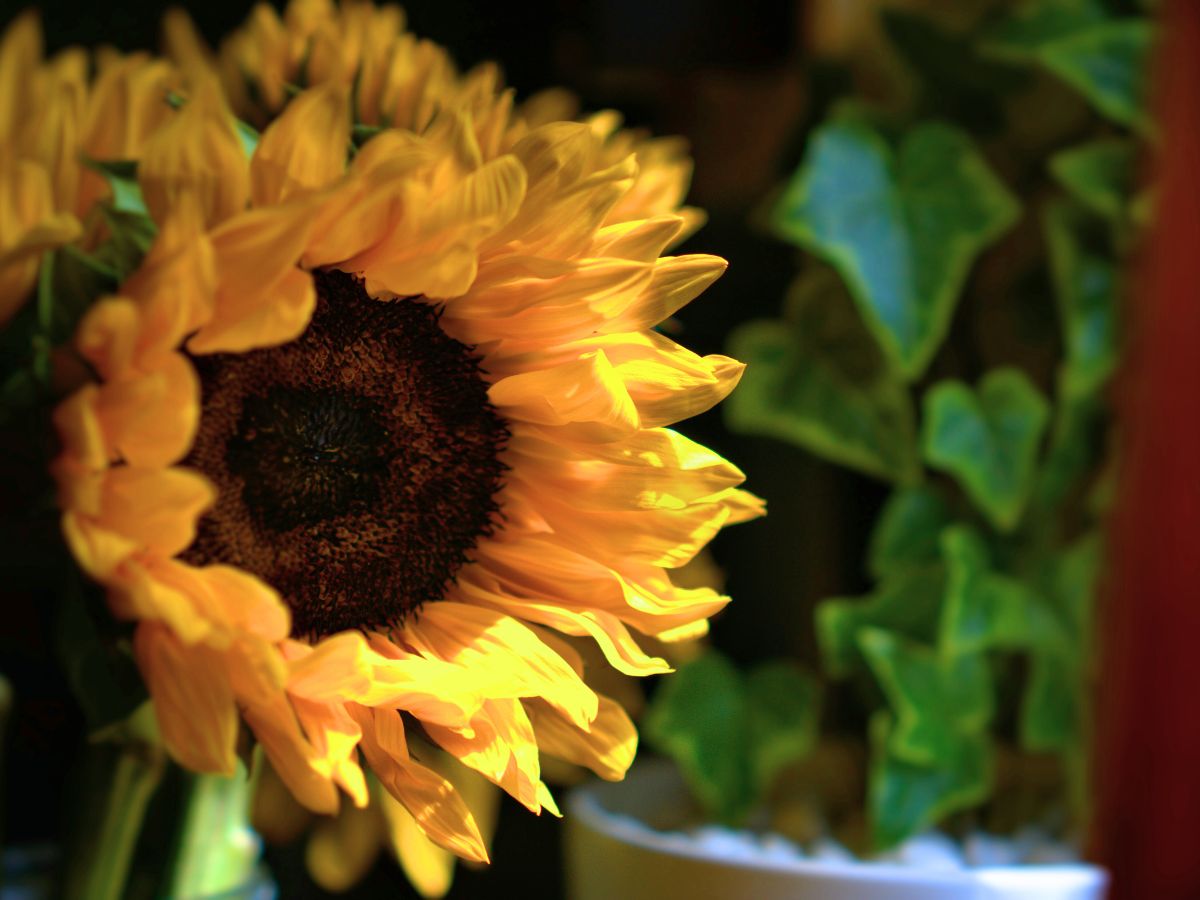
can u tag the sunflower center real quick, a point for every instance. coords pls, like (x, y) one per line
(356, 466)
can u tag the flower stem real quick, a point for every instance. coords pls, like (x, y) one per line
(218, 850)
(101, 869)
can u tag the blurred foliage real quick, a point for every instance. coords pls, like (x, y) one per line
(931, 228)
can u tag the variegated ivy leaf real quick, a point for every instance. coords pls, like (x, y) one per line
(818, 380)
(1085, 285)
(906, 602)
(987, 439)
(1102, 57)
(986, 609)
(906, 533)
(938, 700)
(905, 797)
(731, 734)
(902, 226)
(1099, 174)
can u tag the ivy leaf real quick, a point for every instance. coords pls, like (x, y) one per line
(905, 798)
(697, 718)
(730, 735)
(906, 532)
(1108, 64)
(1100, 175)
(986, 609)
(907, 602)
(956, 80)
(1034, 25)
(781, 719)
(819, 381)
(937, 699)
(902, 228)
(1050, 707)
(987, 439)
(1085, 284)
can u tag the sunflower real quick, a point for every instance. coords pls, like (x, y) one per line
(380, 418)
(53, 117)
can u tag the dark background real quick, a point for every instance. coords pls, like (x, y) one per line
(733, 79)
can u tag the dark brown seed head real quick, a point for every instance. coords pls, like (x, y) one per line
(356, 466)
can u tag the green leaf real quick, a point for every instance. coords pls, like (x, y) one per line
(906, 532)
(956, 80)
(1099, 174)
(905, 798)
(985, 609)
(697, 717)
(937, 699)
(906, 602)
(97, 660)
(820, 382)
(987, 439)
(1050, 708)
(731, 735)
(781, 727)
(901, 228)
(1035, 24)
(1085, 284)
(1076, 445)
(1107, 63)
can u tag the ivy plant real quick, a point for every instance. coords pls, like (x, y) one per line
(985, 557)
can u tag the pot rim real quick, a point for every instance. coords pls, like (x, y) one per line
(585, 805)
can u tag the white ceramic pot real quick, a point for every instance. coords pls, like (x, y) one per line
(613, 854)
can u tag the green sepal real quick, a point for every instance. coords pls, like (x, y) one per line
(249, 137)
(987, 439)
(904, 798)
(937, 699)
(130, 238)
(902, 226)
(906, 533)
(121, 175)
(1099, 174)
(68, 283)
(819, 381)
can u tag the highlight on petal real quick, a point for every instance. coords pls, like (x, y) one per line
(429, 797)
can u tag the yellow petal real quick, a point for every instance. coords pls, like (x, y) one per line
(586, 394)
(20, 56)
(430, 798)
(677, 280)
(195, 161)
(429, 868)
(305, 148)
(150, 418)
(518, 663)
(192, 699)
(262, 299)
(300, 766)
(334, 736)
(157, 508)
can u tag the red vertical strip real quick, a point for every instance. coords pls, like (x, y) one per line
(1147, 826)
